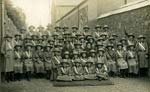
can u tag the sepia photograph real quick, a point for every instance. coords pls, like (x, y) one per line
(74, 45)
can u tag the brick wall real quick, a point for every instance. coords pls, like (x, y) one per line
(135, 21)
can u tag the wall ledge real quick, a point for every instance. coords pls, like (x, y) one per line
(125, 8)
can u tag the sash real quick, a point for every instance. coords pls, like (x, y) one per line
(124, 48)
(62, 69)
(97, 34)
(97, 70)
(28, 54)
(131, 54)
(9, 46)
(18, 55)
(141, 46)
(87, 71)
(33, 43)
(119, 53)
(83, 60)
(129, 42)
(72, 45)
(75, 69)
(58, 62)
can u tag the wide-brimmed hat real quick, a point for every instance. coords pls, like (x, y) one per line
(101, 49)
(17, 34)
(105, 26)
(48, 45)
(56, 50)
(131, 45)
(119, 44)
(28, 44)
(110, 45)
(57, 27)
(75, 27)
(111, 38)
(8, 36)
(66, 53)
(100, 38)
(123, 39)
(75, 53)
(141, 36)
(38, 45)
(92, 51)
(131, 34)
(86, 27)
(99, 44)
(114, 35)
(77, 43)
(98, 26)
(18, 45)
(65, 27)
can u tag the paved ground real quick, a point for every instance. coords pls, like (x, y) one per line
(42, 85)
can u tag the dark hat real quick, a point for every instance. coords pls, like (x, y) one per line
(86, 27)
(141, 36)
(8, 36)
(98, 26)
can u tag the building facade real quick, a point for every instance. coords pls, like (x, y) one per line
(87, 12)
(61, 7)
